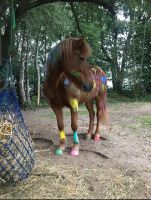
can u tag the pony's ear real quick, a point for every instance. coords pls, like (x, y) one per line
(81, 42)
(84, 47)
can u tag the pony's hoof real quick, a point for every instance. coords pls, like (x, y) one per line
(74, 152)
(97, 138)
(58, 152)
(88, 137)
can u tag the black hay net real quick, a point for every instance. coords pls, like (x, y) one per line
(16, 146)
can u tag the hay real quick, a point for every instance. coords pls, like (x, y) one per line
(120, 186)
(114, 184)
(6, 127)
(16, 154)
(50, 182)
(65, 181)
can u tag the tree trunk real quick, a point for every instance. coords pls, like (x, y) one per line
(117, 80)
(5, 44)
(45, 56)
(18, 40)
(38, 70)
(4, 47)
(0, 51)
(27, 75)
(21, 72)
(1, 81)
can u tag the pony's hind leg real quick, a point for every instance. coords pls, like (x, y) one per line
(74, 126)
(101, 115)
(89, 106)
(59, 116)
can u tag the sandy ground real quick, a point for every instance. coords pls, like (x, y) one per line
(117, 167)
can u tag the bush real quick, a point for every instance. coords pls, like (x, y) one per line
(33, 103)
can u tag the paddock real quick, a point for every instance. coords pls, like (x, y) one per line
(119, 165)
(116, 167)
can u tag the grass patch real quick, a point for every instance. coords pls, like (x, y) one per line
(135, 127)
(146, 120)
(83, 111)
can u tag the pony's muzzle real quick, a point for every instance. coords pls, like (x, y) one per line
(87, 87)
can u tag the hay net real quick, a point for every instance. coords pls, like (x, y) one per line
(16, 147)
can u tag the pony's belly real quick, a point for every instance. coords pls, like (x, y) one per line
(87, 96)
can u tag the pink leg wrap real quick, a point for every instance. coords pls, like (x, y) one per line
(96, 138)
(74, 152)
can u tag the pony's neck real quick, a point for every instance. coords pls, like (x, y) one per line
(55, 77)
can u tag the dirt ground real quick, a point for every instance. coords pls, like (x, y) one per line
(118, 166)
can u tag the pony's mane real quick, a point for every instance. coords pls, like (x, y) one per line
(61, 51)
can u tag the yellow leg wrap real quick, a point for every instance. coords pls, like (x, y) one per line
(62, 135)
(103, 87)
(74, 104)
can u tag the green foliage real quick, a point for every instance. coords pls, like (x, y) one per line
(52, 20)
(33, 104)
(115, 97)
(144, 98)
(121, 46)
(127, 96)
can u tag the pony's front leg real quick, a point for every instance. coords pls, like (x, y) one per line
(59, 116)
(74, 126)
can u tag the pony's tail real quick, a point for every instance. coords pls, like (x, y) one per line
(104, 116)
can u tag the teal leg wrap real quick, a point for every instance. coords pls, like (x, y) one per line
(75, 137)
(58, 151)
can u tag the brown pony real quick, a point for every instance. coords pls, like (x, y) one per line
(70, 81)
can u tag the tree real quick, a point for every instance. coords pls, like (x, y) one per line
(22, 70)
(21, 7)
(120, 46)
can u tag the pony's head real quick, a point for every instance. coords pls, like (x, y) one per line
(70, 56)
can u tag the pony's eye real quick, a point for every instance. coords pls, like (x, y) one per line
(81, 58)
